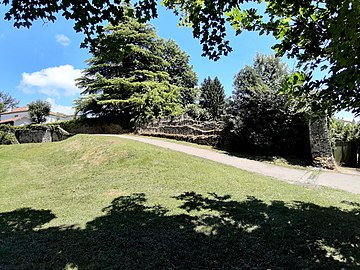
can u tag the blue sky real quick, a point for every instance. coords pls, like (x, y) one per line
(43, 61)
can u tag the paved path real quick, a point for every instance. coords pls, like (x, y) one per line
(313, 177)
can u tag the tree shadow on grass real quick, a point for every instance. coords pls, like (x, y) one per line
(215, 232)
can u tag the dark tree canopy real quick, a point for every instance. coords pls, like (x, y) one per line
(212, 97)
(260, 121)
(7, 102)
(39, 110)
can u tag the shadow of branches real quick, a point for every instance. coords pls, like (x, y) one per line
(215, 232)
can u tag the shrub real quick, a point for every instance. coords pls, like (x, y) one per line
(7, 135)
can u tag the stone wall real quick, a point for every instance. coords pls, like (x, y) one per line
(40, 134)
(208, 133)
(104, 128)
(183, 128)
(320, 144)
(92, 126)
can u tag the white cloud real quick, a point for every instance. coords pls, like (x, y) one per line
(52, 81)
(63, 40)
(60, 108)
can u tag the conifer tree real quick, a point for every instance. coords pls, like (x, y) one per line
(180, 71)
(127, 76)
(260, 120)
(212, 97)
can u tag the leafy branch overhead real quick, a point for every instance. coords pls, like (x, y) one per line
(323, 35)
(88, 15)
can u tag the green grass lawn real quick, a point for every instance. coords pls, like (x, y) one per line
(108, 203)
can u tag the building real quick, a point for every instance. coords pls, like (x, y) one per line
(20, 117)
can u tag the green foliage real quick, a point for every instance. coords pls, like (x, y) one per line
(7, 135)
(260, 120)
(7, 102)
(129, 75)
(180, 71)
(68, 125)
(84, 125)
(345, 141)
(344, 131)
(195, 111)
(39, 110)
(321, 35)
(88, 16)
(7, 138)
(212, 97)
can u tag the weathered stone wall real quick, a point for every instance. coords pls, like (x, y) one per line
(40, 134)
(106, 128)
(183, 128)
(208, 133)
(92, 126)
(320, 144)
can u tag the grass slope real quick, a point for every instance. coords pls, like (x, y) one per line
(107, 203)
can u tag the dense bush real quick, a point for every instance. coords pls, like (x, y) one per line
(7, 135)
(7, 138)
(259, 119)
(195, 111)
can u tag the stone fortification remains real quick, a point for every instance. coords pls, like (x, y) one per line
(320, 144)
(180, 128)
(35, 134)
(40, 134)
(184, 128)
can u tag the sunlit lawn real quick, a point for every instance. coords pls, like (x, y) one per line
(108, 203)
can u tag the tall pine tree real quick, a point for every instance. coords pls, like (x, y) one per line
(212, 97)
(127, 77)
(180, 71)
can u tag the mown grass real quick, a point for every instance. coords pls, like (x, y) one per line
(108, 203)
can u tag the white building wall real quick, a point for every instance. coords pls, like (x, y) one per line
(52, 119)
(12, 115)
(23, 121)
(26, 121)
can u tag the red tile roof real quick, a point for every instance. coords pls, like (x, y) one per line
(17, 110)
(25, 109)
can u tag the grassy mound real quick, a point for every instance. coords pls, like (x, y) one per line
(107, 203)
